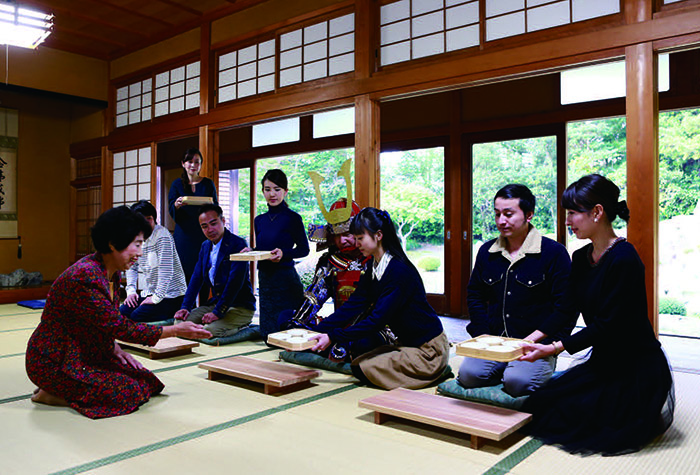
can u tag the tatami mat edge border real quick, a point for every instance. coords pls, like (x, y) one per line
(159, 370)
(507, 463)
(200, 433)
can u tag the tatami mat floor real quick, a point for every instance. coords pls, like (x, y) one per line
(202, 426)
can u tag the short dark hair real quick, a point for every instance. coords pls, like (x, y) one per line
(206, 207)
(276, 176)
(522, 192)
(144, 208)
(119, 227)
(590, 190)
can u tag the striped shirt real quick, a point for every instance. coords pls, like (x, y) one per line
(158, 272)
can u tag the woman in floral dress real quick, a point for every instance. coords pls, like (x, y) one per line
(72, 356)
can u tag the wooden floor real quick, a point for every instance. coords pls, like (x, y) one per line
(229, 426)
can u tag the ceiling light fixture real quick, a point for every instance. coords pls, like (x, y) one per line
(23, 27)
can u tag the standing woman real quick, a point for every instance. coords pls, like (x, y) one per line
(188, 235)
(281, 231)
(622, 396)
(390, 295)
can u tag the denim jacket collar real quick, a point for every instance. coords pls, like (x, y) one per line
(531, 245)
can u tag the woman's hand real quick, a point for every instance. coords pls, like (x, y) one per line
(209, 317)
(131, 300)
(245, 249)
(324, 341)
(125, 358)
(191, 330)
(181, 314)
(536, 351)
(276, 255)
(178, 203)
(147, 301)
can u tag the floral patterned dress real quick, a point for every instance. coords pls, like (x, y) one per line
(71, 353)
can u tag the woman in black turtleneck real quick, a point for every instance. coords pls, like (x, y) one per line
(281, 231)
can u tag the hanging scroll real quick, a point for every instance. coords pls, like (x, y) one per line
(9, 123)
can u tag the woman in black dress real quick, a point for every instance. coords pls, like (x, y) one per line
(622, 396)
(188, 235)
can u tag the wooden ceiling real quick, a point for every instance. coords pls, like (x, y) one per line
(108, 29)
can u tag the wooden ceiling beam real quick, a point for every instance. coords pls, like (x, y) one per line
(101, 39)
(195, 23)
(66, 12)
(182, 7)
(54, 42)
(109, 4)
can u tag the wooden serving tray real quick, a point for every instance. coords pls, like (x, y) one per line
(279, 339)
(197, 200)
(274, 376)
(490, 353)
(480, 421)
(251, 256)
(165, 347)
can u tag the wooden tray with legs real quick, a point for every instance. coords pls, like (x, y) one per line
(494, 348)
(480, 421)
(165, 348)
(197, 200)
(251, 256)
(274, 376)
(296, 339)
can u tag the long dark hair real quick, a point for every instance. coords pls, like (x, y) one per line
(276, 176)
(590, 190)
(190, 153)
(372, 220)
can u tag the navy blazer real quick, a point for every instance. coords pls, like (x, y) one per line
(231, 282)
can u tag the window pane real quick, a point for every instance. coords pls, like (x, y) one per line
(336, 122)
(531, 162)
(279, 131)
(679, 221)
(603, 81)
(598, 146)
(234, 198)
(413, 192)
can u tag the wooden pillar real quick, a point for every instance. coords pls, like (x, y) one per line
(454, 242)
(107, 179)
(209, 146)
(206, 82)
(642, 153)
(367, 147)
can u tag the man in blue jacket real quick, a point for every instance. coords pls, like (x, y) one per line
(517, 289)
(232, 304)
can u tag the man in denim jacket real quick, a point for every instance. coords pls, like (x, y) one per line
(517, 289)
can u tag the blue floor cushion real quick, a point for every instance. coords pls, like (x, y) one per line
(33, 304)
(494, 395)
(315, 361)
(251, 332)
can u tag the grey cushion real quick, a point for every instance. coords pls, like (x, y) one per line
(251, 332)
(315, 361)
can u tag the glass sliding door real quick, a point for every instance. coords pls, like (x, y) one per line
(412, 190)
(531, 162)
(679, 222)
(598, 146)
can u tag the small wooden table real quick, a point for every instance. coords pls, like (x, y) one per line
(165, 348)
(274, 376)
(479, 420)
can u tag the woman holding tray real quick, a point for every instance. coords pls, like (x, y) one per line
(390, 294)
(280, 231)
(72, 355)
(188, 235)
(622, 396)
